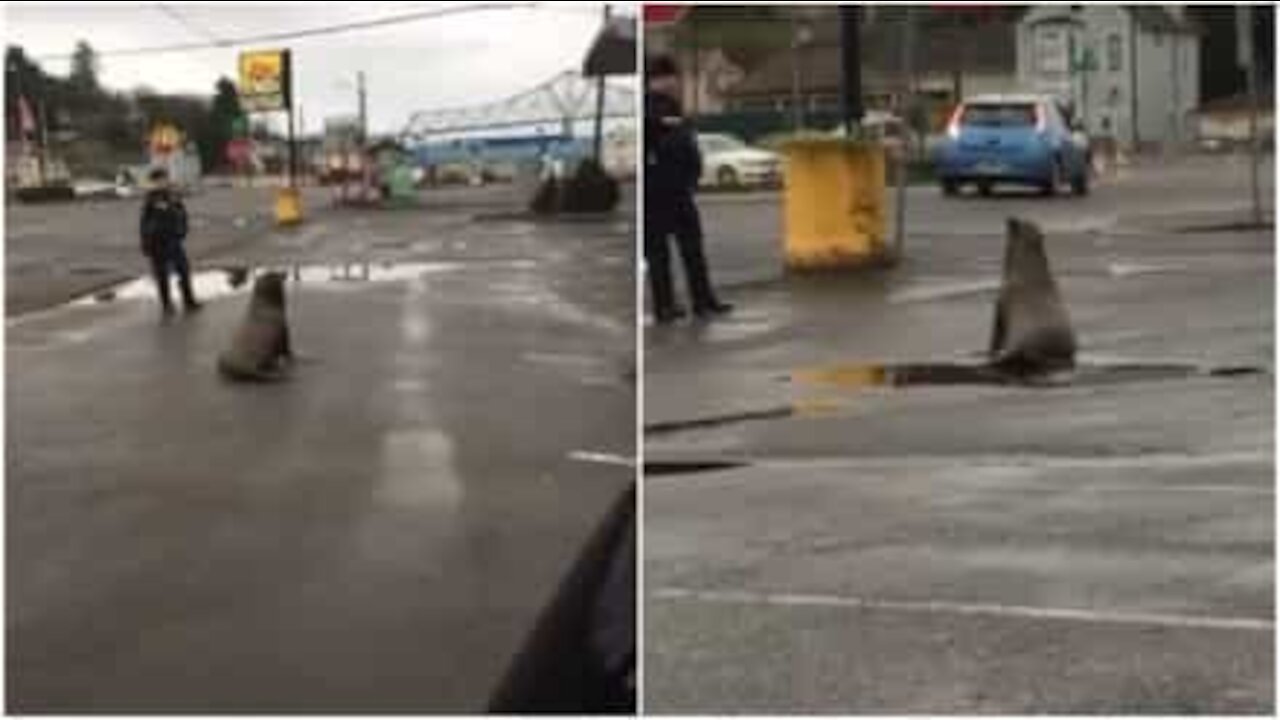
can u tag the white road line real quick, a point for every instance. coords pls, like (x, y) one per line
(602, 458)
(926, 292)
(943, 607)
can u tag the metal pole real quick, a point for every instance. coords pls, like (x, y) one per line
(302, 135)
(1133, 83)
(906, 107)
(850, 68)
(293, 152)
(1247, 57)
(1254, 148)
(598, 137)
(796, 117)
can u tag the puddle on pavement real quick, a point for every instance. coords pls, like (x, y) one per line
(865, 376)
(1227, 227)
(1089, 374)
(215, 283)
(658, 468)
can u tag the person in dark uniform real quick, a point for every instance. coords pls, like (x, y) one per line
(163, 229)
(673, 165)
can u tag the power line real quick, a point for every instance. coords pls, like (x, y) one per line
(299, 34)
(184, 22)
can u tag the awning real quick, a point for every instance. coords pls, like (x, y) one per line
(613, 52)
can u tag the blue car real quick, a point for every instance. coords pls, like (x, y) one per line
(1013, 139)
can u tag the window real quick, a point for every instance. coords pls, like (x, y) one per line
(1115, 53)
(999, 115)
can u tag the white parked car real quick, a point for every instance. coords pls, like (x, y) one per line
(730, 162)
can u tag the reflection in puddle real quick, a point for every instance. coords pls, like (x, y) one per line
(866, 375)
(211, 284)
(417, 470)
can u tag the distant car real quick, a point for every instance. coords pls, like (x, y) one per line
(730, 162)
(1013, 139)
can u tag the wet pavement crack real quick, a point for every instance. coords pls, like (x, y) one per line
(675, 426)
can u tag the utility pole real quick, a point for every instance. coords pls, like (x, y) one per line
(851, 110)
(363, 104)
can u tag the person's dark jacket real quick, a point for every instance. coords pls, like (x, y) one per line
(163, 222)
(673, 162)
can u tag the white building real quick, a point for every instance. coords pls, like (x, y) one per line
(1131, 72)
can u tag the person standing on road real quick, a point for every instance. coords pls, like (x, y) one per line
(163, 230)
(672, 167)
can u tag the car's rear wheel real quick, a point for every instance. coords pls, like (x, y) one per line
(950, 188)
(985, 187)
(727, 177)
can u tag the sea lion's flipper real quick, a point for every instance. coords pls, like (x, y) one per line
(997, 330)
(235, 373)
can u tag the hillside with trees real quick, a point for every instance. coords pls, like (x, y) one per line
(96, 129)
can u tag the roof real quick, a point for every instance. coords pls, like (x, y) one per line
(1151, 18)
(613, 52)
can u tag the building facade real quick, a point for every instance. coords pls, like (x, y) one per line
(1130, 72)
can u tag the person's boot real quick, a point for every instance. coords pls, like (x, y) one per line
(666, 316)
(166, 303)
(714, 308)
(189, 302)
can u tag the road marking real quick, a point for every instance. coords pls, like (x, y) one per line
(602, 458)
(1123, 270)
(927, 292)
(944, 607)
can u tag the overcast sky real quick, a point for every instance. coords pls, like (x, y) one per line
(444, 62)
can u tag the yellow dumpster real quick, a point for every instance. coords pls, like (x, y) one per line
(288, 206)
(834, 203)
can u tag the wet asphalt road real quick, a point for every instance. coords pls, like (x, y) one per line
(377, 534)
(1089, 548)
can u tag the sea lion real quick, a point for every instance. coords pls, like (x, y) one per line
(260, 350)
(1032, 333)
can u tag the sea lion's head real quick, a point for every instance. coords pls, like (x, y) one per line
(268, 290)
(1025, 260)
